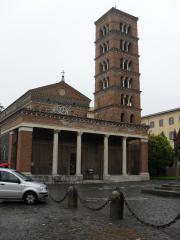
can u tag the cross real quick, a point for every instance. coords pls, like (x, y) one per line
(62, 79)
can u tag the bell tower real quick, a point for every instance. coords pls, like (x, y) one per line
(117, 90)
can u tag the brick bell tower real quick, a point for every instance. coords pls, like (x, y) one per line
(117, 90)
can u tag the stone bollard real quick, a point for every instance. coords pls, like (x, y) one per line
(72, 197)
(116, 205)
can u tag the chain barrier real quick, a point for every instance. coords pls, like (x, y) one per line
(146, 223)
(60, 200)
(84, 203)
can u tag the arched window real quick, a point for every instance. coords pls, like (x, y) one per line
(126, 82)
(126, 28)
(130, 103)
(122, 82)
(130, 83)
(132, 118)
(107, 64)
(129, 63)
(107, 46)
(126, 100)
(122, 117)
(122, 99)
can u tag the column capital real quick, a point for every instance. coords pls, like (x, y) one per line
(12, 132)
(80, 133)
(56, 131)
(106, 135)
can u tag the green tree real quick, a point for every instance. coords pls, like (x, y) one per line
(160, 154)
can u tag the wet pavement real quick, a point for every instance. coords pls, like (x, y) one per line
(55, 221)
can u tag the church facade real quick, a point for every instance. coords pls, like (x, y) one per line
(51, 132)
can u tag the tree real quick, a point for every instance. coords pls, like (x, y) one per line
(160, 154)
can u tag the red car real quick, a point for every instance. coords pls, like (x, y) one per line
(4, 165)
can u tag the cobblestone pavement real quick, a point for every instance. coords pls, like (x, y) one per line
(55, 221)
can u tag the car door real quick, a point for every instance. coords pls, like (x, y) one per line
(10, 185)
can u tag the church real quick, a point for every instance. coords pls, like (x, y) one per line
(51, 132)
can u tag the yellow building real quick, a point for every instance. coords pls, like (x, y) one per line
(166, 122)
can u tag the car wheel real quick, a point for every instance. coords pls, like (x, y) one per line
(30, 198)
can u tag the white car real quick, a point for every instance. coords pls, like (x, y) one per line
(15, 185)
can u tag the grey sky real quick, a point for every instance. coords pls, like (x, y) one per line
(39, 38)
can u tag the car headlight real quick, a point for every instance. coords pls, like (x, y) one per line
(43, 189)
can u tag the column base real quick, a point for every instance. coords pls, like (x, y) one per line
(144, 176)
(79, 177)
(106, 177)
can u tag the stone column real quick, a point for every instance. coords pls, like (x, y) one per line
(124, 156)
(24, 149)
(78, 154)
(55, 153)
(105, 173)
(12, 151)
(144, 159)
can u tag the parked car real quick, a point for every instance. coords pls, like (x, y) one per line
(15, 185)
(4, 165)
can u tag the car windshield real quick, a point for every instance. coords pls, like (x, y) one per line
(24, 177)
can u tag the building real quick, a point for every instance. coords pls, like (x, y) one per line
(51, 131)
(166, 122)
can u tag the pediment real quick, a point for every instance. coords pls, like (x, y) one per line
(59, 92)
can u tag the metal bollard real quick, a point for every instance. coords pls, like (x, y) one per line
(72, 197)
(116, 205)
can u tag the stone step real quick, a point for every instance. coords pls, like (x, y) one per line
(168, 188)
(167, 193)
(174, 185)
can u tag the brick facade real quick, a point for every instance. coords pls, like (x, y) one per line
(117, 68)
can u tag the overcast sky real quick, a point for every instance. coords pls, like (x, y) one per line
(40, 38)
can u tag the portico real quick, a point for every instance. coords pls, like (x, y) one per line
(68, 152)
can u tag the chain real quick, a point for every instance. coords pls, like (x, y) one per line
(150, 224)
(83, 202)
(61, 200)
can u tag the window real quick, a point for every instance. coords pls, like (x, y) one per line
(125, 64)
(152, 125)
(104, 47)
(161, 123)
(124, 28)
(103, 84)
(8, 177)
(126, 100)
(171, 121)
(126, 82)
(125, 46)
(171, 135)
(104, 30)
